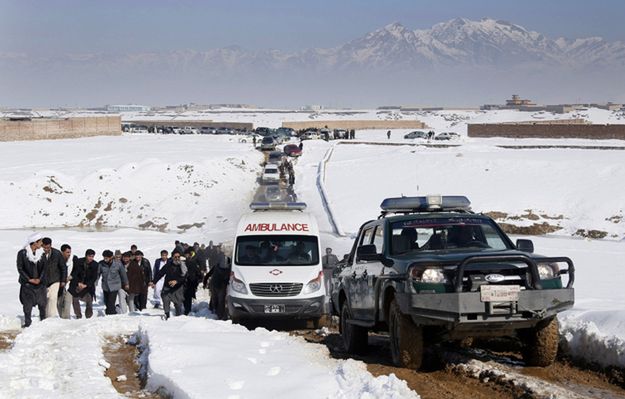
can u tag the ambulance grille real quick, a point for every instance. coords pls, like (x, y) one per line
(276, 289)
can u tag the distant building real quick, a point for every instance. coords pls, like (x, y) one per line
(127, 108)
(313, 107)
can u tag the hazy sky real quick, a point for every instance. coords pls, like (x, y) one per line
(120, 26)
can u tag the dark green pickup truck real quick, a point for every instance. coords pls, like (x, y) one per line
(428, 269)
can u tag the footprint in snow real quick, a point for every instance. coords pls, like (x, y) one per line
(274, 371)
(235, 385)
(252, 360)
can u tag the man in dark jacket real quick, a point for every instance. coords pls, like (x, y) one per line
(113, 279)
(56, 275)
(32, 278)
(141, 300)
(200, 254)
(194, 276)
(219, 279)
(174, 272)
(82, 286)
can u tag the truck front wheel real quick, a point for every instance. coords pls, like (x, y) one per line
(354, 337)
(540, 343)
(406, 339)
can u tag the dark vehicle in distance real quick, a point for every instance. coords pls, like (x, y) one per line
(275, 157)
(417, 134)
(264, 131)
(430, 270)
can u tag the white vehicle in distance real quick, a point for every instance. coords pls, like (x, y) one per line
(187, 130)
(310, 135)
(447, 136)
(270, 174)
(276, 265)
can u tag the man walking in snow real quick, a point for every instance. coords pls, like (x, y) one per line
(82, 286)
(388, 135)
(141, 300)
(32, 278)
(56, 275)
(219, 279)
(328, 262)
(113, 279)
(123, 293)
(65, 298)
(158, 265)
(174, 272)
(194, 276)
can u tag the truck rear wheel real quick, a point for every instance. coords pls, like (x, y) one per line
(406, 339)
(540, 343)
(354, 337)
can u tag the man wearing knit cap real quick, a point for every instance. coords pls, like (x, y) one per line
(32, 278)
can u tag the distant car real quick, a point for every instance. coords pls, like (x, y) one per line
(263, 131)
(340, 134)
(268, 144)
(223, 130)
(187, 130)
(310, 135)
(285, 131)
(292, 150)
(417, 134)
(325, 134)
(271, 174)
(275, 157)
(447, 136)
(207, 130)
(273, 193)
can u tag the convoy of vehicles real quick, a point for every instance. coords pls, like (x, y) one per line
(276, 265)
(428, 270)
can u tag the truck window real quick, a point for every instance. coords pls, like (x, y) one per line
(367, 236)
(378, 239)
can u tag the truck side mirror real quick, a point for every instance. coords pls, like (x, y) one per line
(525, 245)
(367, 253)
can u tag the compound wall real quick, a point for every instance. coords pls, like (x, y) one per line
(68, 128)
(356, 124)
(578, 131)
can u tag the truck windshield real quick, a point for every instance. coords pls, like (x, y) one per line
(445, 234)
(274, 250)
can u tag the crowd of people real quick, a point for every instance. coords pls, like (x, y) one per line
(57, 281)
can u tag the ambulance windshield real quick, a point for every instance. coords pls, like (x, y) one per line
(273, 250)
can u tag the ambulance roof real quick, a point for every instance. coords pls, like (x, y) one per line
(278, 222)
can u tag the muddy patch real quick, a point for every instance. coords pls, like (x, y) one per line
(6, 340)
(124, 371)
(594, 234)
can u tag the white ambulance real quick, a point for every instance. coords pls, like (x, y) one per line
(276, 264)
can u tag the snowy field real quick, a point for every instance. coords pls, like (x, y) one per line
(194, 188)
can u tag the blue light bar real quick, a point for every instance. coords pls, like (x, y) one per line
(278, 205)
(429, 203)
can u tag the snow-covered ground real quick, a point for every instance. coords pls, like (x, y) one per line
(194, 188)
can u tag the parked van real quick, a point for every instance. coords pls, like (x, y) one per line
(276, 265)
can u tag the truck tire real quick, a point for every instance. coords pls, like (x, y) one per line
(354, 337)
(406, 339)
(540, 343)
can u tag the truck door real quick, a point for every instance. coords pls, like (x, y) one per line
(373, 269)
(357, 291)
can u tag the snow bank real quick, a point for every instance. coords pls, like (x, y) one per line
(195, 358)
(149, 181)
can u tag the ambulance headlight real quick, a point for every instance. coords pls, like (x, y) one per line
(237, 285)
(547, 271)
(313, 285)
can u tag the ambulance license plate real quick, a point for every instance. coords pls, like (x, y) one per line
(499, 293)
(274, 308)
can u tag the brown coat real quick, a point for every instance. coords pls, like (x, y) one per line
(136, 278)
